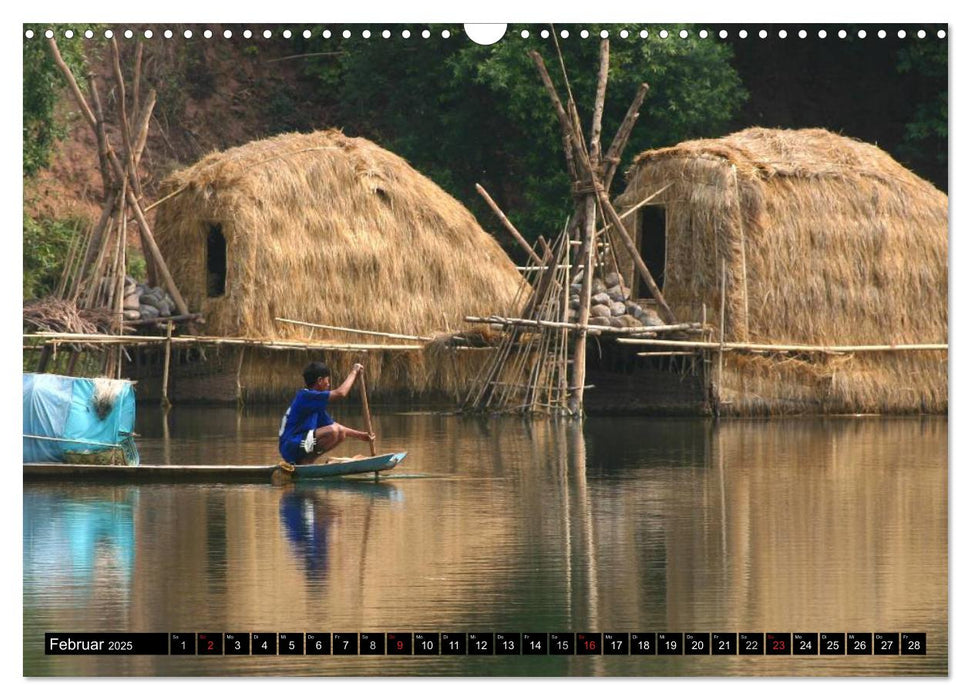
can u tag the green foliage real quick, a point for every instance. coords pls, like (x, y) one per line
(42, 87)
(463, 113)
(926, 131)
(46, 244)
(135, 264)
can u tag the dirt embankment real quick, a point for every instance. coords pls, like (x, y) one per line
(212, 94)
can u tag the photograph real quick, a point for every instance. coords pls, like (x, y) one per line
(510, 350)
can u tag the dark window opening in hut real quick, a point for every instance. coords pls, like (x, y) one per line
(653, 247)
(215, 261)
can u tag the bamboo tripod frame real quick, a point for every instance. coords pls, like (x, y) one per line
(94, 276)
(553, 349)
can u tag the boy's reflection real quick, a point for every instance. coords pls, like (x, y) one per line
(309, 516)
(307, 519)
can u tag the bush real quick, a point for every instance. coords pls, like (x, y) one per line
(46, 245)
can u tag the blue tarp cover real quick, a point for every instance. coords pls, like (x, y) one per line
(60, 416)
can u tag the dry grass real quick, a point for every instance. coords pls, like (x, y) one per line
(51, 314)
(840, 243)
(436, 373)
(335, 230)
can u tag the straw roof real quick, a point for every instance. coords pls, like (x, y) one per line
(326, 228)
(826, 240)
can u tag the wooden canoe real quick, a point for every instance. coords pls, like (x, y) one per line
(328, 468)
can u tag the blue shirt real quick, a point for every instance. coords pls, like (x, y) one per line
(308, 411)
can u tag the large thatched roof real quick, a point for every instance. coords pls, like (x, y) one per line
(330, 229)
(841, 242)
(826, 241)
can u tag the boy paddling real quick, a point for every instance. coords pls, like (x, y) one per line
(307, 430)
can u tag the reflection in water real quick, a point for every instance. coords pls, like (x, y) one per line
(508, 525)
(306, 519)
(85, 542)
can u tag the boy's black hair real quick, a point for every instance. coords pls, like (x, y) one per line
(314, 370)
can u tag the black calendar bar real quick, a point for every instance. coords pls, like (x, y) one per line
(97, 643)
(544, 644)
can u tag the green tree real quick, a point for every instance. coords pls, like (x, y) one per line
(46, 241)
(463, 113)
(926, 131)
(43, 84)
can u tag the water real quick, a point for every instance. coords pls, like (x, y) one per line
(503, 525)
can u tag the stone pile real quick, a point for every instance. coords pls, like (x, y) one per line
(611, 305)
(144, 303)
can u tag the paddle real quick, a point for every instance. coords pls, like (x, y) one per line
(367, 414)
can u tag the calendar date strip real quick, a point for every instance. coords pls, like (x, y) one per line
(486, 643)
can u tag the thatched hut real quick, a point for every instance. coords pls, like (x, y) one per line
(334, 230)
(826, 241)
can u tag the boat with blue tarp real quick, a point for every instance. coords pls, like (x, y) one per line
(78, 428)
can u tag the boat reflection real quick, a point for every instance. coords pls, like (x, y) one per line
(78, 540)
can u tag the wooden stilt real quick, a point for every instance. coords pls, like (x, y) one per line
(721, 331)
(166, 403)
(579, 368)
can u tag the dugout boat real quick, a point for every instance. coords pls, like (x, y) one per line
(245, 473)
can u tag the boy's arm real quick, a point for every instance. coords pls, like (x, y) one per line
(345, 388)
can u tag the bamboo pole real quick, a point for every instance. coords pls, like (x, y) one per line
(570, 102)
(541, 287)
(579, 369)
(367, 416)
(142, 123)
(122, 255)
(563, 358)
(96, 272)
(619, 143)
(721, 331)
(508, 224)
(166, 404)
(74, 288)
(547, 253)
(664, 310)
(160, 321)
(598, 102)
(136, 80)
(765, 347)
(94, 246)
(693, 326)
(72, 83)
(126, 137)
(72, 251)
(239, 373)
(569, 135)
(100, 339)
(120, 288)
(637, 206)
(400, 336)
(741, 228)
(673, 353)
(157, 255)
(104, 146)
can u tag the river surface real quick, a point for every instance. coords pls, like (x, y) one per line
(506, 525)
